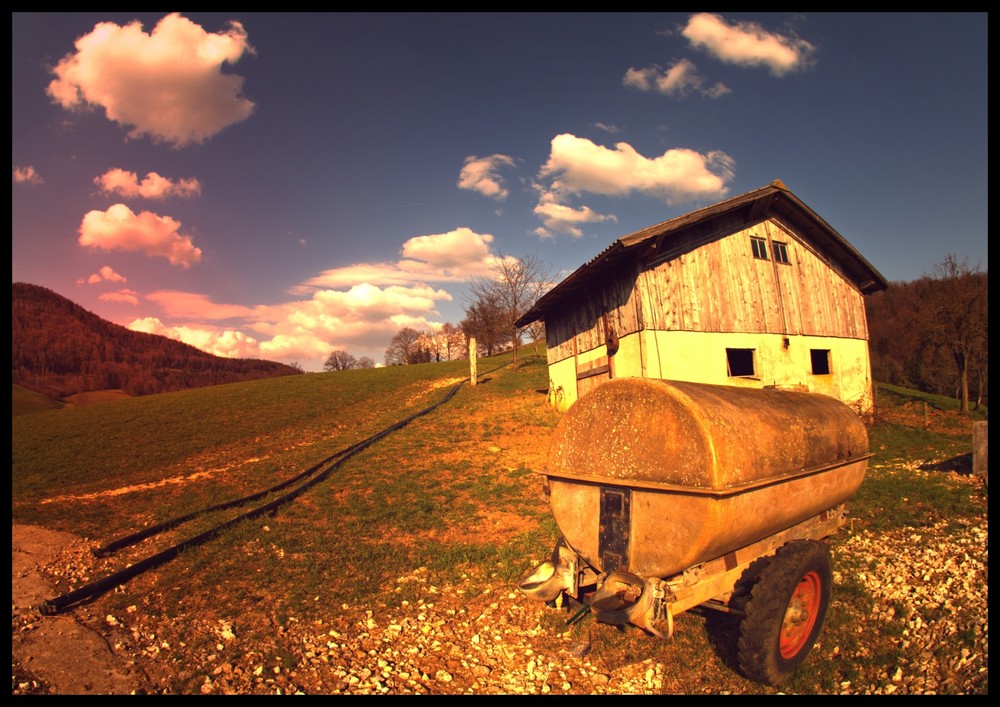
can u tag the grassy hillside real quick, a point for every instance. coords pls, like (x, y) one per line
(451, 497)
(25, 402)
(60, 349)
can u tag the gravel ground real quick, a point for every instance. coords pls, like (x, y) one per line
(464, 639)
(934, 581)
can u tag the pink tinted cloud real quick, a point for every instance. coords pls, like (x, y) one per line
(119, 228)
(192, 305)
(105, 274)
(167, 84)
(26, 175)
(362, 319)
(152, 186)
(482, 174)
(455, 256)
(126, 296)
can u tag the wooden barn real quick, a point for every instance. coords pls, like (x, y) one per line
(755, 291)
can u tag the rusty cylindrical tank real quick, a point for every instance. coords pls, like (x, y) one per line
(654, 477)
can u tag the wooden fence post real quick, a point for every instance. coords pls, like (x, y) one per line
(980, 450)
(472, 359)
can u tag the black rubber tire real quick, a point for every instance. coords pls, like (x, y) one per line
(785, 611)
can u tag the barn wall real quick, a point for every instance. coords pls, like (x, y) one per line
(675, 319)
(701, 357)
(575, 330)
(721, 287)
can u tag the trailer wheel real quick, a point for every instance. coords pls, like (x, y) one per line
(785, 611)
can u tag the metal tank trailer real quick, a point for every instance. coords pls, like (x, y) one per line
(671, 495)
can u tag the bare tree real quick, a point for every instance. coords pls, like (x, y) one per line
(339, 360)
(405, 348)
(536, 330)
(515, 285)
(454, 341)
(435, 344)
(484, 322)
(366, 362)
(958, 318)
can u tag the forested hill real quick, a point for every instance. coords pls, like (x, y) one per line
(58, 348)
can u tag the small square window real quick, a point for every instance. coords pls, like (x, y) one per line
(739, 362)
(820, 361)
(759, 247)
(780, 252)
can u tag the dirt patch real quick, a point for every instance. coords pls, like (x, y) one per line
(60, 654)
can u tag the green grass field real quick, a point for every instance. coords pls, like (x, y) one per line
(454, 491)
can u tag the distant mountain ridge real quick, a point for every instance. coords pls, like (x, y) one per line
(59, 349)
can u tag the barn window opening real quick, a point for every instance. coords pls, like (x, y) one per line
(820, 361)
(759, 247)
(740, 362)
(780, 252)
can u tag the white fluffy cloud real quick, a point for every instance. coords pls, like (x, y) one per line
(219, 342)
(454, 256)
(167, 84)
(578, 166)
(361, 319)
(559, 218)
(482, 174)
(152, 186)
(358, 308)
(678, 81)
(458, 250)
(119, 228)
(747, 44)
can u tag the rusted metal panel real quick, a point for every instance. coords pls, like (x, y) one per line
(711, 468)
(615, 527)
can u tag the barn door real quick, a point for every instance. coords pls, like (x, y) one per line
(593, 373)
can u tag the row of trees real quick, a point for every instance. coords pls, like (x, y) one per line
(340, 360)
(407, 346)
(412, 346)
(503, 297)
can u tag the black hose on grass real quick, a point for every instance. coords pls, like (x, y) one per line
(94, 589)
(125, 541)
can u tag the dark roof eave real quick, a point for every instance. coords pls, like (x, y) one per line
(574, 281)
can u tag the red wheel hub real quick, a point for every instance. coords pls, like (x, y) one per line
(800, 615)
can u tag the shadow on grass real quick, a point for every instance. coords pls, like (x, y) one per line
(961, 465)
(723, 632)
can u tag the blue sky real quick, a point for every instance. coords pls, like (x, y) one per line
(280, 185)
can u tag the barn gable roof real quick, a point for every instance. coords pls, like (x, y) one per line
(774, 200)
